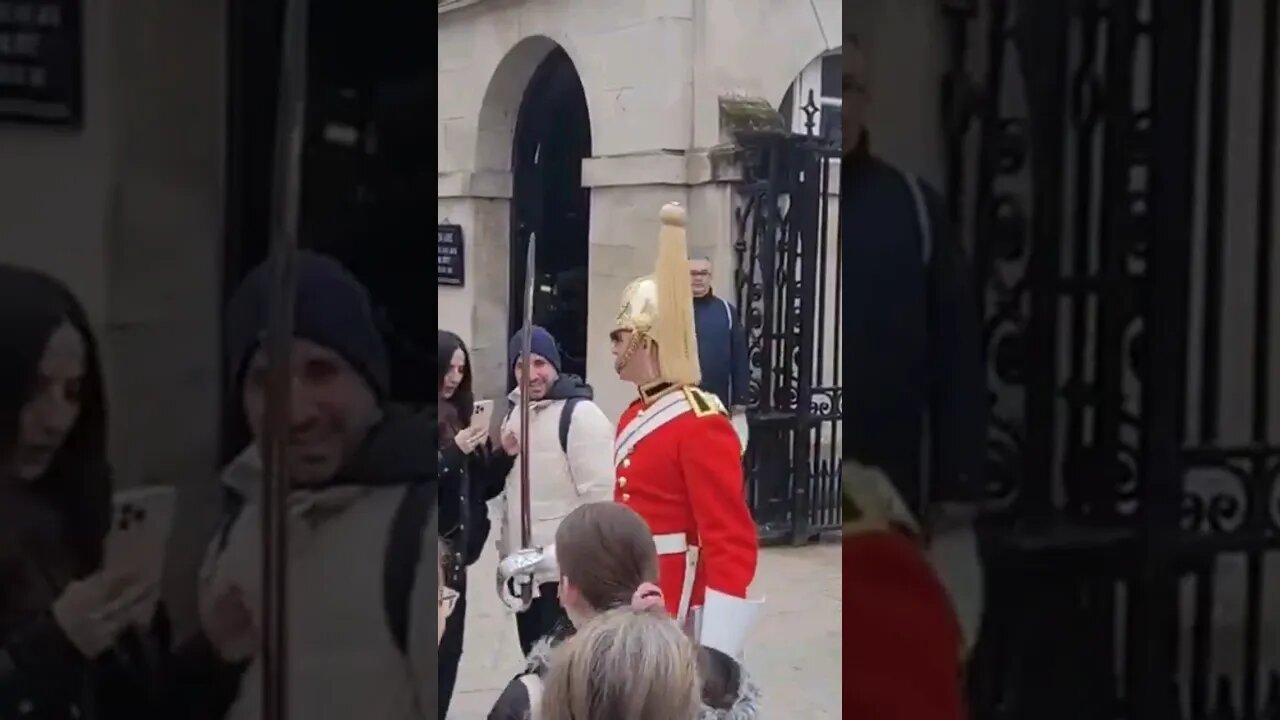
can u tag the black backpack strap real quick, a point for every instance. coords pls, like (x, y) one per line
(404, 553)
(566, 419)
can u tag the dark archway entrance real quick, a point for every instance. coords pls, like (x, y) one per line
(552, 137)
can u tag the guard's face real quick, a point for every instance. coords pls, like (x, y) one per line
(700, 277)
(635, 362)
(622, 351)
(542, 375)
(54, 406)
(332, 410)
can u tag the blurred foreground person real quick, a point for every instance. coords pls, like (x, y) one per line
(903, 650)
(75, 640)
(605, 553)
(361, 558)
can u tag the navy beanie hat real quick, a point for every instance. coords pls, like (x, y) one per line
(540, 343)
(332, 309)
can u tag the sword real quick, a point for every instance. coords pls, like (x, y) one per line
(290, 125)
(526, 351)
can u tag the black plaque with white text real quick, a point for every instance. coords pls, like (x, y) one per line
(41, 62)
(450, 257)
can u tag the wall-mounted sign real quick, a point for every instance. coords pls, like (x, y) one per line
(450, 255)
(41, 61)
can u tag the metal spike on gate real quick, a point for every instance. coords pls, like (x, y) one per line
(1224, 705)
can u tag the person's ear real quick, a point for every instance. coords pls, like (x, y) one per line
(568, 593)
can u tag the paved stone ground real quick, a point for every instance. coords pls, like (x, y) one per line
(794, 652)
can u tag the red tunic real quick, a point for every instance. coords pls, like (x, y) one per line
(902, 641)
(685, 476)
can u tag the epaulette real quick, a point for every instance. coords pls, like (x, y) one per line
(704, 404)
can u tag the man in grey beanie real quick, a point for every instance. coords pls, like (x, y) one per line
(361, 557)
(571, 464)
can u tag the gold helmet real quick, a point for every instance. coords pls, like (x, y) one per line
(658, 308)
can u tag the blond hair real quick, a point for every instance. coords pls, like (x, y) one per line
(626, 664)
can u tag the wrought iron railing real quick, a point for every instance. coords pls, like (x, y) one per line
(1135, 572)
(788, 289)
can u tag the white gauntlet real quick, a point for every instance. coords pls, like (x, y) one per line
(518, 570)
(740, 426)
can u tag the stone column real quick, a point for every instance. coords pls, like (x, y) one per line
(162, 339)
(478, 311)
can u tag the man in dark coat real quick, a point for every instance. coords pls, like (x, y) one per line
(914, 368)
(722, 346)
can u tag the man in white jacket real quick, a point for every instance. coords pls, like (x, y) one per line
(571, 464)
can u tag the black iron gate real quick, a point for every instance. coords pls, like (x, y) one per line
(1134, 565)
(788, 284)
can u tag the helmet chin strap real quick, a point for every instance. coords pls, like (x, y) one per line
(633, 344)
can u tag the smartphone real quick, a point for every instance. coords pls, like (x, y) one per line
(141, 520)
(483, 414)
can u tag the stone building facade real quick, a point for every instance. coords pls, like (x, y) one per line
(647, 78)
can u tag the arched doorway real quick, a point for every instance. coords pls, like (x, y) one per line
(552, 137)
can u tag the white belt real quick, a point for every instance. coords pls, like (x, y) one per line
(677, 544)
(671, 544)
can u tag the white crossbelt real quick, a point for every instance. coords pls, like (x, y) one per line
(671, 544)
(678, 544)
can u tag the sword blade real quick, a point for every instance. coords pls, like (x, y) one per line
(526, 512)
(286, 187)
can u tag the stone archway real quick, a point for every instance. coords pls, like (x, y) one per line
(552, 138)
(527, 178)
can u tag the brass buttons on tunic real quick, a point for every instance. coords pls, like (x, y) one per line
(626, 463)
(622, 482)
(626, 497)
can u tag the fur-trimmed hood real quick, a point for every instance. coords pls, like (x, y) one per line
(746, 707)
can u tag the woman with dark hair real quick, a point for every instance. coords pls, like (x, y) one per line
(68, 647)
(472, 472)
